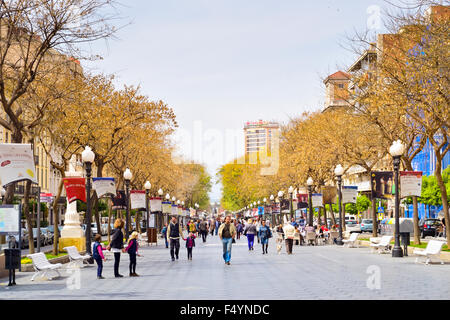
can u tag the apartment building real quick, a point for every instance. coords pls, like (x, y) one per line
(258, 135)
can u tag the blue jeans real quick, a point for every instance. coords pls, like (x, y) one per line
(251, 240)
(99, 266)
(227, 249)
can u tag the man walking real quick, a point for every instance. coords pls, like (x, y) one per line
(227, 232)
(204, 229)
(174, 232)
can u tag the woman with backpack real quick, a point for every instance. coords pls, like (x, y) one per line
(264, 235)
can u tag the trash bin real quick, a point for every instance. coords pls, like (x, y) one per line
(405, 241)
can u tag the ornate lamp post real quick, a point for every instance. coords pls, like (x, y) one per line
(88, 158)
(310, 184)
(280, 198)
(339, 171)
(397, 150)
(272, 199)
(127, 175)
(147, 187)
(291, 207)
(159, 215)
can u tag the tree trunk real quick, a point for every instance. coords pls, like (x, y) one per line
(325, 217)
(96, 213)
(56, 218)
(444, 196)
(374, 218)
(333, 218)
(28, 216)
(138, 222)
(109, 221)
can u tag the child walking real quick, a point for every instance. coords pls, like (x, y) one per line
(97, 254)
(190, 244)
(132, 250)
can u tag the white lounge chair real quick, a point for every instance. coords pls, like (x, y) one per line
(383, 246)
(42, 266)
(350, 243)
(433, 249)
(76, 259)
(311, 238)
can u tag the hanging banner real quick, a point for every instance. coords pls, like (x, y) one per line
(302, 201)
(137, 198)
(260, 211)
(268, 210)
(255, 212)
(317, 200)
(155, 204)
(75, 189)
(167, 207)
(410, 184)
(349, 194)
(192, 212)
(104, 186)
(16, 163)
(119, 201)
(276, 208)
(382, 183)
(329, 194)
(174, 210)
(46, 197)
(180, 211)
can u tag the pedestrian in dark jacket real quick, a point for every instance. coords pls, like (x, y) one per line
(97, 254)
(116, 245)
(190, 244)
(132, 250)
(164, 234)
(264, 234)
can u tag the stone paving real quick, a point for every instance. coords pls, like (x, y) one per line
(324, 272)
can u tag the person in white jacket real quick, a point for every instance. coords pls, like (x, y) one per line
(289, 232)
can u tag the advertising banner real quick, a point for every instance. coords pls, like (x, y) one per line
(16, 163)
(260, 211)
(317, 200)
(276, 208)
(156, 204)
(104, 186)
(151, 221)
(174, 210)
(75, 189)
(302, 201)
(47, 198)
(349, 194)
(167, 207)
(9, 219)
(329, 194)
(119, 201)
(382, 183)
(410, 184)
(192, 212)
(137, 198)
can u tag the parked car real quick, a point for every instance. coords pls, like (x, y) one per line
(41, 237)
(352, 226)
(366, 225)
(428, 227)
(350, 218)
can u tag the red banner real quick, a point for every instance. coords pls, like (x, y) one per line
(75, 189)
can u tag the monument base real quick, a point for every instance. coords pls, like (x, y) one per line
(80, 243)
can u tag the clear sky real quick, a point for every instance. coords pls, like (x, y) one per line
(220, 63)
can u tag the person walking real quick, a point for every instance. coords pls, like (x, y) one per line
(164, 233)
(97, 254)
(264, 234)
(204, 230)
(116, 245)
(289, 232)
(250, 231)
(227, 232)
(132, 250)
(174, 232)
(190, 244)
(239, 229)
(217, 225)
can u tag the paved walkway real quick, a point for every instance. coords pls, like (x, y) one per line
(325, 272)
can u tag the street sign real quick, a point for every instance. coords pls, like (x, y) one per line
(380, 209)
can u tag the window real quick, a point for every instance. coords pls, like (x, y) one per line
(341, 86)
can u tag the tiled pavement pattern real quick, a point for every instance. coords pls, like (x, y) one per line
(324, 272)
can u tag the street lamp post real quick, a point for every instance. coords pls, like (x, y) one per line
(168, 200)
(272, 198)
(310, 184)
(159, 215)
(127, 176)
(291, 192)
(397, 149)
(280, 198)
(339, 171)
(88, 158)
(147, 187)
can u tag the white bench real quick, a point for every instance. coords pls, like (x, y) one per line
(352, 241)
(433, 249)
(76, 259)
(383, 246)
(42, 266)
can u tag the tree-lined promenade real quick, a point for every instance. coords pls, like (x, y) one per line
(47, 99)
(401, 95)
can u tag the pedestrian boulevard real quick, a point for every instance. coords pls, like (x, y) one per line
(324, 272)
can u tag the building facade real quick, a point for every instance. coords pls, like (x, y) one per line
(258, 135)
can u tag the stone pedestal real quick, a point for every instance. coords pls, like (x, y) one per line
(72, 234)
